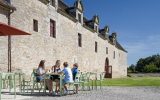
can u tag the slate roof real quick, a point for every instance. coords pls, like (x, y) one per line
(65, 10)
(7, 5)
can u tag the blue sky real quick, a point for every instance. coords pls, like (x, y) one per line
(137, 23)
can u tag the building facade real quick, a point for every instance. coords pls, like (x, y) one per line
(59, 32)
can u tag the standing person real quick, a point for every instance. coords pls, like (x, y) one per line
(41, 75)
(75, 73)
(68, 76)
(56, 78)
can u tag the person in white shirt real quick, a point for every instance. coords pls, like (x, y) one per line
(41, 76)
(68, 75)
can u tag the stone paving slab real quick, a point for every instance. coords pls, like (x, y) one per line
(108, 93)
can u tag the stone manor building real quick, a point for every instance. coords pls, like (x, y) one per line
(59, 32)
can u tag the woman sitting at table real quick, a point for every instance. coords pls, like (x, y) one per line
(41, 76)
(68, 76)
(56, 78)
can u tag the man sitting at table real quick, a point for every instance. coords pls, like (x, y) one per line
(68, 76)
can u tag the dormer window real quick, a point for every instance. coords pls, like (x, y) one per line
(96, 28)
(96, 23)
(79, 11)
(79, 18)
(52, 3)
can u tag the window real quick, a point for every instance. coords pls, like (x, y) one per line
(106, 50)
(114, 55)
(96, 47)
(79, 17)
(96, 28)
(52, 2)
(53, 28)
(35, 25)
(79, 40)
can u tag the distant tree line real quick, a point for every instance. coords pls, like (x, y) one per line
(149, 64)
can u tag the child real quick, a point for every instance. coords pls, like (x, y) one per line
(68, 75)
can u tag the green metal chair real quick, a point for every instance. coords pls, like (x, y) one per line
(26, 83)
(93, 79)
(10, 81)
(100, 79)
(84, 80)
(37, 85)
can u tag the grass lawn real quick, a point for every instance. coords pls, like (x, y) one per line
(133, 81)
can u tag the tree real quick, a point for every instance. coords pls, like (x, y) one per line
(131, 68)
(148, 64)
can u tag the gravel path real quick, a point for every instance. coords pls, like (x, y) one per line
(108, 93)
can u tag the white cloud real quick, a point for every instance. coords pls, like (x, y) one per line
(142, 47)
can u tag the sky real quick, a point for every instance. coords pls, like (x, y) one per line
(136, 22)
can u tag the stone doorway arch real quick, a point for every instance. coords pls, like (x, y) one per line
(108, 69)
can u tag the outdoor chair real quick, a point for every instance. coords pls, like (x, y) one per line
(84, 80)
(5, 81)
(8, 81)
(100, 79)
(26, 83)
(93, 78)
(37, 85)
(71, 87)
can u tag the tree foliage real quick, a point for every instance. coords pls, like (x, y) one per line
(149, 65)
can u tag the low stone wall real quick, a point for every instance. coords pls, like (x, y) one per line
(144, 74)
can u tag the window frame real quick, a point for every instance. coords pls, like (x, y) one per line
(79, 40)
(96, 46)
(53, 28)
(79, 18)
(114, 54)
(52, 3)
(106, 50)
(35, 25)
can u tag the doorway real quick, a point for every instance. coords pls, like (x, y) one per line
(108, 69)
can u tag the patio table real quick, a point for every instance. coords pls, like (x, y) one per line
(61, 81)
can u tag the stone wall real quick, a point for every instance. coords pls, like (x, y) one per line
(27, 51)
(3, 41)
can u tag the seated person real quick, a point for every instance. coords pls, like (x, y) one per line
(41, 75)
(75, 70)
(68, 75)
(40, 71)
(56, 78)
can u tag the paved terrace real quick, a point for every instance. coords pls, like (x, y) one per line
(108, 93)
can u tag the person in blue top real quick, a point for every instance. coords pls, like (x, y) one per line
(75, 70)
